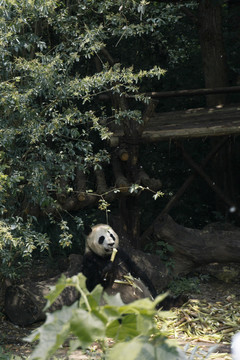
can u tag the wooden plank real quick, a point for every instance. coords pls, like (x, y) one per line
(192, 92)
(188, 123)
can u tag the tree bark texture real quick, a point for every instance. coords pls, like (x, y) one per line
(199, 246)
(213, 50)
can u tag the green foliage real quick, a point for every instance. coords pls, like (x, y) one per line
(164, 250)
(132, 326)
(52, 123)
(3, 354)
(18, 240)
(6, 355)
(49, 93)
(185, 285)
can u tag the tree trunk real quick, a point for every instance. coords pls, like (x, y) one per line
(212, 47)
(215, 74)
(130, 214)
(199, 246)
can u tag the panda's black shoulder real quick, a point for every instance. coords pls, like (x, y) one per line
(123, 256)
(90, 259)
(119, 255)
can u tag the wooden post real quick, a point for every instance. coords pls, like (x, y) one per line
(212, 47)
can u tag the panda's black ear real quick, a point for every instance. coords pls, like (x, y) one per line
(87, 230)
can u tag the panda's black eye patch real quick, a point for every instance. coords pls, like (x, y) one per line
(113, 237)
(101, 239)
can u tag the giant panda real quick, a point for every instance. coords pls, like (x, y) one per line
(121, 275)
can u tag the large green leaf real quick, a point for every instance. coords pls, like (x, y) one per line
(141, 348)
(113, 300)
(111, 312)
(93, 298)
(52, 333)
(129, 350)
(87, 327)
(56, 290)
(145, 324)
(123, 328)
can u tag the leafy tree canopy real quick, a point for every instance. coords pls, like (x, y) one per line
(52, 122)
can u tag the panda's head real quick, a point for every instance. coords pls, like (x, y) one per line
(101, 239)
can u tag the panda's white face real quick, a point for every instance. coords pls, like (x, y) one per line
(101, 240)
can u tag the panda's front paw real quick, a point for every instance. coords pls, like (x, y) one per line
(108, 268)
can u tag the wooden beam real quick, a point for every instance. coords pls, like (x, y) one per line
(172, 1)
(178, 93)
(191, 123)
(190, 92)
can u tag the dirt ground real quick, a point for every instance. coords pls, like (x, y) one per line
(213, 291)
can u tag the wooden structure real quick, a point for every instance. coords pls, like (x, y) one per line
(215, 121)
(201, 122)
